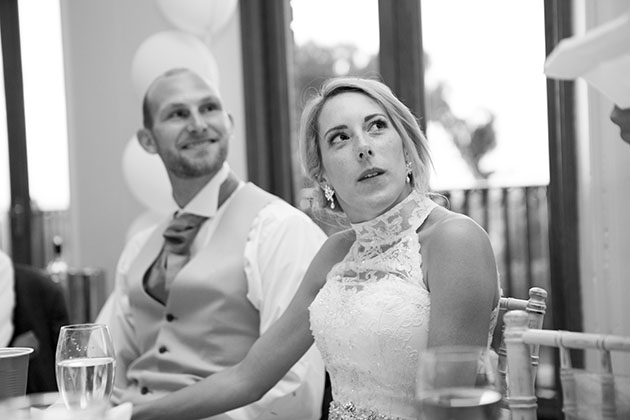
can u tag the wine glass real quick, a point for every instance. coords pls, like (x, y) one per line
(85, 362)
(458, 383)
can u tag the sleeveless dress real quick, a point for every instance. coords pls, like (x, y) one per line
(370, 320)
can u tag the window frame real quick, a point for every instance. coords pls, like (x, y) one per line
(20, 213)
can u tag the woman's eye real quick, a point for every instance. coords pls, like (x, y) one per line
(378, 125)
(338, 138)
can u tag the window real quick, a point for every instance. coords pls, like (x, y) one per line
(486, 92)
(36, 121)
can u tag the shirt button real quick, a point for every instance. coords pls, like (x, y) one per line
(144, 390)
(162, 349)
(170, 317)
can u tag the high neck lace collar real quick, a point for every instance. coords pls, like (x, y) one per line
(404, 216)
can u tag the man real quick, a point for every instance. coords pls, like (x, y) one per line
(179, 316)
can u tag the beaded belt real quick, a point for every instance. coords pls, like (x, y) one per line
(349, 412)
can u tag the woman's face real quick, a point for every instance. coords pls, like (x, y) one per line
(362, 156)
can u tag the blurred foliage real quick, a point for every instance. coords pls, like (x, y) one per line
(315, 63)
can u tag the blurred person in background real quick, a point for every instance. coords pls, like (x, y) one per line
(7, 299)
(32, 311)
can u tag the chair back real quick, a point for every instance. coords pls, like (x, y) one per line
(535, 307)
(613, 401)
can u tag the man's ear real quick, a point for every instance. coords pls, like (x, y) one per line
(231, 118)
(145, 138)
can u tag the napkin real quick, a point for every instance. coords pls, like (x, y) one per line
(601, 57)
(120, 412)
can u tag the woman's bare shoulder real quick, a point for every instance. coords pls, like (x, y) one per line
(449, 235)
(444, 225)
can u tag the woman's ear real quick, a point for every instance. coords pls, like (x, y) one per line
(145, 138)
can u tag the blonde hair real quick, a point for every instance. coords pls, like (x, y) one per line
(404, 122)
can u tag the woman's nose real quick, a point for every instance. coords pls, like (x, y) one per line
(365, 151)
(364, 147)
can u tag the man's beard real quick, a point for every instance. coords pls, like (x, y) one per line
(187, 168)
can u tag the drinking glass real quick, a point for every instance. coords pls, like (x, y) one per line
(458, 383)
(85, 362)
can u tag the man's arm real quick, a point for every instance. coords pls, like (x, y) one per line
(282, 244)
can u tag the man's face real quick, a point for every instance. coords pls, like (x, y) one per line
(191, 130)
(621, 117)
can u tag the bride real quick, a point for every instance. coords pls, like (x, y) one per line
(408, 274)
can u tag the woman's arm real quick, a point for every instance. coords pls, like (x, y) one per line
(266, 363)
(462, 279)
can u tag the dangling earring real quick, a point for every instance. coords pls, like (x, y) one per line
(329, 193)
(409, 172)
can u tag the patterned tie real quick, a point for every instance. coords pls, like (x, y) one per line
(175, 253)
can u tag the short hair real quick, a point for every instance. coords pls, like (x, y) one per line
(405, 123)
(147, 116)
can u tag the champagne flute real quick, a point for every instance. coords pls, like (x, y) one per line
(458, 383)
(85, 362)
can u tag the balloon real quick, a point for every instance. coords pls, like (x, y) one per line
(167, 50)
(147, 178)
(147, 219)
(200, 17)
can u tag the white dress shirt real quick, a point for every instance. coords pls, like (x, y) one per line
(281, 243)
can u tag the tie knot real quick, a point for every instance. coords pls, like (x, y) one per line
(181, 231)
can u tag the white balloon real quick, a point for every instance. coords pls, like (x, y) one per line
(147, 178)
(143, 221)
(167, 50)
(200, 17)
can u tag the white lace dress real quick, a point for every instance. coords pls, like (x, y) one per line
(371, 318)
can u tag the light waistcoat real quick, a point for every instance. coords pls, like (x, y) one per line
(208, 323)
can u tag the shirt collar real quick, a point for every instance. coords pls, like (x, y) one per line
(205, 203)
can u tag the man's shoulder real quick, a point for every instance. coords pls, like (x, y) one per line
(278, 214)
(282, 213)
(276, 206)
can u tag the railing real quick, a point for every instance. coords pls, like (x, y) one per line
(516, 220)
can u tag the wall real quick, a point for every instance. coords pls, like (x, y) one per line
(604, 191)
(100, 39)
